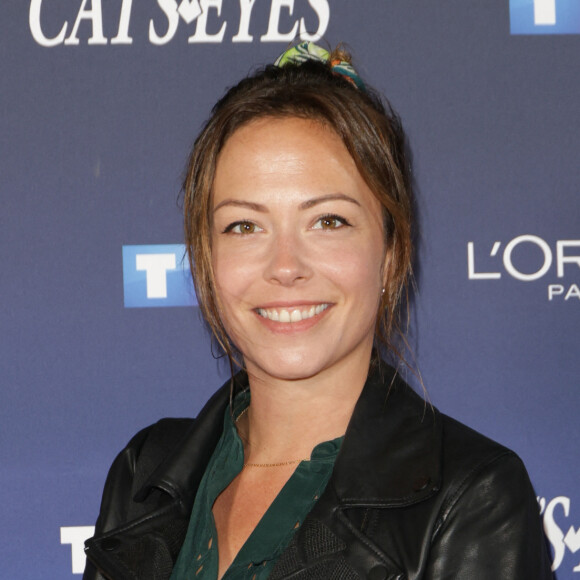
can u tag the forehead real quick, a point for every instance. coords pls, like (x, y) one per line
(269, 138)
(287, 155)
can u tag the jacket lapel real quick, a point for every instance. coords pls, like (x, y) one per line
(391, 455)
(180, 473)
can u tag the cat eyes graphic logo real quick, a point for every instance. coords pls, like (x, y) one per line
(545, 17)
(48, 29)
(561, 541)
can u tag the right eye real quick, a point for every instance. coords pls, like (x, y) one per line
(242, 228)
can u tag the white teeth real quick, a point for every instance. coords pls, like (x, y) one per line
(293, 315)
(296, 316)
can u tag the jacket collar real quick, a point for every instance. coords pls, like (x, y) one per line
(391, 454)
(180, 473)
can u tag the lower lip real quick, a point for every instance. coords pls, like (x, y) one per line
(292, 327)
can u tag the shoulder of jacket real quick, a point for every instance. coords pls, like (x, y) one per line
(465, 446)
(164, 433)
(133, 465)
(149, 447)
(146, 450)
(475, 464)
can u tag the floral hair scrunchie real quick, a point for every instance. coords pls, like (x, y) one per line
(306, 51)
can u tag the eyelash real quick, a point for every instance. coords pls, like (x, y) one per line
(331, 216)
(342, 222)
(230, 228)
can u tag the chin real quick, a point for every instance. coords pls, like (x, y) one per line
(291, 366)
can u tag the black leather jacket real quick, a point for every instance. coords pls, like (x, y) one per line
(414, 494)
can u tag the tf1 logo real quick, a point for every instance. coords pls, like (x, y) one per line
(544, 17)
(157, 275)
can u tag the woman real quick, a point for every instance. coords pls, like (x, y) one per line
(318, 461)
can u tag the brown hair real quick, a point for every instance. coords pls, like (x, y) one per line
(370, 130)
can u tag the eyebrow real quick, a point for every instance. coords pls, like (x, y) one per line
(241, 203)
(329, 197)
(304, 205)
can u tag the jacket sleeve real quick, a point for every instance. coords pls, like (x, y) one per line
(490, 528)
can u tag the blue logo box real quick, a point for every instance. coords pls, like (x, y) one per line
(157, 276)
(545, 16)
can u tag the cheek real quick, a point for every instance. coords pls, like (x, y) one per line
(228, 272)
(235, 266)
(233, 279)
(357, 268)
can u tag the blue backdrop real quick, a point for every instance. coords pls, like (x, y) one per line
(100, 102)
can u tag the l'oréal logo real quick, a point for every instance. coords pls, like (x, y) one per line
(528, 258)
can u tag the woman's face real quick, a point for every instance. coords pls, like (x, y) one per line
(298, 249)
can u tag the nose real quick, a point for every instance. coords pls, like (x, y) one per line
(287, 262)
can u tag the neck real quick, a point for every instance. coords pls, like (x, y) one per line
(287, 419)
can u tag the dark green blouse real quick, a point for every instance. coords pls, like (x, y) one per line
(198, 557)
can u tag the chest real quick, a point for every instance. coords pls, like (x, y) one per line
(240, 507)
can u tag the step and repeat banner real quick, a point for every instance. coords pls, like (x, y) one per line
(100, 101)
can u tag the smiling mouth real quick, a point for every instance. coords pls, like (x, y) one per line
(290, 315)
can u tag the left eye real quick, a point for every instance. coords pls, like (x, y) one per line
(330, 222)
(243, 228)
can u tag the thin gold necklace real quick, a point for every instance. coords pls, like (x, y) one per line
(280, 464)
